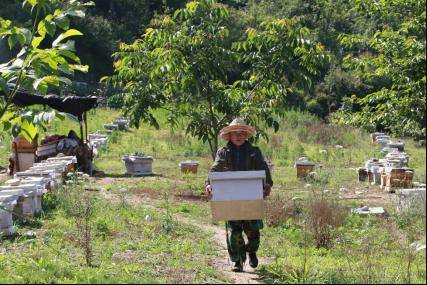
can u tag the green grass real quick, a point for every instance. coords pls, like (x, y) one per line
(130, 245)
(129, 249)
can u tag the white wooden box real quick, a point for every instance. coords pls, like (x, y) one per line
(237, 195)
(25, 160)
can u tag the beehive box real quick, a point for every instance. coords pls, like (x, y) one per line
(31, 200)
(304, 168)
(138, 165)
(363, 174)
(7, 203)
(112, 127)
(189, 166)
(399, 145)
(397, 177)
(122, 124)
(375, 135)
(21, 144)
(237, 195)
(383, 140)
(48, 149)
(25, 206)
(25, 160)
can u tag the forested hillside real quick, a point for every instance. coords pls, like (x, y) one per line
(374, 76)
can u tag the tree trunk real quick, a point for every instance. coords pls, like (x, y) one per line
(213, 143)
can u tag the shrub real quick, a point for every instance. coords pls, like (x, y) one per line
(324, 216)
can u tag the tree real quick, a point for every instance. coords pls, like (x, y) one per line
(183, 64)
(394, 58)
(44, 58)
(326, 19)
(282, 58)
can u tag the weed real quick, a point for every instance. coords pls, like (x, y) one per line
(167, 223)
(324, 216)
(80, 206)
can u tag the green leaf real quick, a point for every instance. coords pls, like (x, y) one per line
(81, 68)
(40, 86)
(60, 116)
(70, 55)
(11, 41)
(64, 80)
(36, 42)
(6, 126)
(46, 27)
(28, 130)
(3, 86)
(65, 35)
(31, 2)
(68, 45)
(62, 21)
(76, 13)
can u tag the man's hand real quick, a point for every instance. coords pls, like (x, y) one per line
(267, 190)
(209, 191)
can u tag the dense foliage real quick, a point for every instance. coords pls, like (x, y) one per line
(184, 64)
(395, 59)
(368, 44)
(42, 59)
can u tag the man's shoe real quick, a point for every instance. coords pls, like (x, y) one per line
(253, 260)
(238, 266)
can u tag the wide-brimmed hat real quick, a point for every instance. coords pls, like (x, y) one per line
(237, 125)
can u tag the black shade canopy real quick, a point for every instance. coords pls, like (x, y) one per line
(74, 105)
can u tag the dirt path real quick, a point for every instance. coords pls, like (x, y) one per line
(222, 263)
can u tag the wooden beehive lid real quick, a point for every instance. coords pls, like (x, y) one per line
(21, 144)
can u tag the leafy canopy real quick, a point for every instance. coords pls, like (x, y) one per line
(394, 56)
(183, 64)
(44, 59)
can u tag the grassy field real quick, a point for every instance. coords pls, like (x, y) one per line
(138, 234)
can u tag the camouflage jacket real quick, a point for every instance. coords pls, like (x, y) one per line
(254, 160)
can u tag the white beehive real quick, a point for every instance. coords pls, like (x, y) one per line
(25, 202)
(31, 199)
(138, 165)
(237, 195)
(7, 205)
(399, 145)
(383, 140)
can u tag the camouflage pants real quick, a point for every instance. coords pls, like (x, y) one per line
(236, 244)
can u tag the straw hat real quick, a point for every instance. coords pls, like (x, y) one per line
(237, 125)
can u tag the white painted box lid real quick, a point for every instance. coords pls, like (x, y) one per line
(237, 175)
(237, 185)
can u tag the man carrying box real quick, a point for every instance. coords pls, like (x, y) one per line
(240, 155)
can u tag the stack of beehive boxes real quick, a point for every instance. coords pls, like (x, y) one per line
(23, 153)
(390, 172)
(21, 197)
